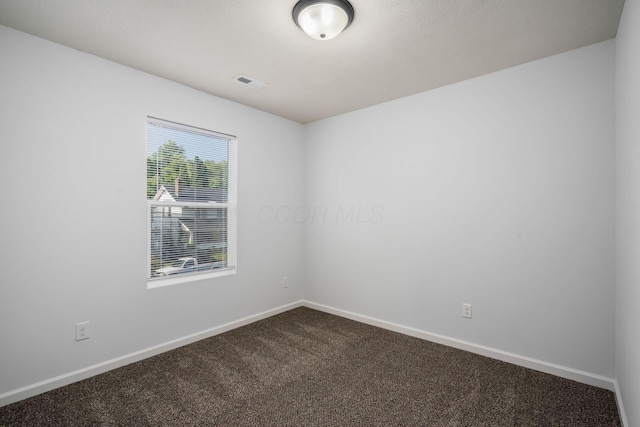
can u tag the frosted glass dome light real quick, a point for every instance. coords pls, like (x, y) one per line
(323, 19)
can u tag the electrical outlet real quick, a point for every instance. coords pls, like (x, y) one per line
(82, 331)
(285, 282)
(466, 310)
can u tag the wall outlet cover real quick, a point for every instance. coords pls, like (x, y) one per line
(82, 331)
(466, 310)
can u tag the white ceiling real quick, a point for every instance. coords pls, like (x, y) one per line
(394, 48)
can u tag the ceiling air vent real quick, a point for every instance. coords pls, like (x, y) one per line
(250, 81)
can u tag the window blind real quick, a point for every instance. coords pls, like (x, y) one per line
(191, 198)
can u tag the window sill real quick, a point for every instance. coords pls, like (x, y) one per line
(187, 278)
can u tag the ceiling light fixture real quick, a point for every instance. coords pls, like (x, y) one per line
(323, 19)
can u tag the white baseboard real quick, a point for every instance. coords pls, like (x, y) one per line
(623, 415)
(527, 362)
(81, 374)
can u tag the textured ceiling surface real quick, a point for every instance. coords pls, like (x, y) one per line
(394, 48)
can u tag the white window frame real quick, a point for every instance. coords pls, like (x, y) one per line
(231, 206)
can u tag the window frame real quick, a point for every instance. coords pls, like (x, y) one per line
(230, 206)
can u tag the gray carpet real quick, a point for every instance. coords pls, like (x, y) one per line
(307, 368)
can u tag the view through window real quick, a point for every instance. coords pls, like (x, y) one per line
(191, 195)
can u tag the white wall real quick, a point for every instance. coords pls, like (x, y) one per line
(628, 210)
(73, 217)
(497, 191)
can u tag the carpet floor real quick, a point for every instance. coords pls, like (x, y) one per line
(308, 368)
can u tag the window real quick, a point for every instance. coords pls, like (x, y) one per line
(191, 200)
